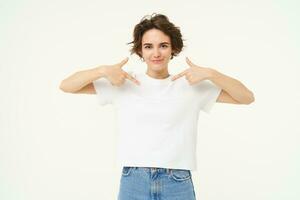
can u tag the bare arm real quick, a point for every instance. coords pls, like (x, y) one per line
(81, 79)
(233, 91)
(81, 82)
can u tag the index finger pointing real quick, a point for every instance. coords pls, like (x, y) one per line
(179, 75)
(128, 76)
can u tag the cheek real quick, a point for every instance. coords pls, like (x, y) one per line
(146, 54)
(167, 51)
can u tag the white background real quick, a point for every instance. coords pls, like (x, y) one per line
(56, 145)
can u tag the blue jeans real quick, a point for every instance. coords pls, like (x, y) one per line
(149, 183)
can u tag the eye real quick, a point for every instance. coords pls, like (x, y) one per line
(164, 46)
(146, 47)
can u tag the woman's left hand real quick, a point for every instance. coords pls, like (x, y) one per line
(194, 73)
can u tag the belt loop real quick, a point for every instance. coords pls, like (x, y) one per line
(168, 171)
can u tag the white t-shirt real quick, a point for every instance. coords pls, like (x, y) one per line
(157, 121)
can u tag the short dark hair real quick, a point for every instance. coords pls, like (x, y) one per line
(162, 23)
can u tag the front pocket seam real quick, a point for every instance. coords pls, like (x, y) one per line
(128, 172)
(179, 179)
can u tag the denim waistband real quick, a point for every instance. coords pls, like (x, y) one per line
(153, 169)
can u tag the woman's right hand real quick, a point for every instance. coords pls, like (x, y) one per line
(116, 75)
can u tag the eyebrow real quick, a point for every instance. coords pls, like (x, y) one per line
(159, 43)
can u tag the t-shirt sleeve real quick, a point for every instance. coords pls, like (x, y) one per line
(105, 92)
(208, 94)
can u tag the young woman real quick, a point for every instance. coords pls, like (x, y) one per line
(157, 112)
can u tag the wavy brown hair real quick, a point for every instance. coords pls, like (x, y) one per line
(162, 23)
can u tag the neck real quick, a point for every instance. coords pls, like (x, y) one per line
(158, 74)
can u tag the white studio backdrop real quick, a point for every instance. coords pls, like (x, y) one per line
(55, 145)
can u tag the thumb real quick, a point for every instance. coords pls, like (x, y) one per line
(123, 62)
(189, 62)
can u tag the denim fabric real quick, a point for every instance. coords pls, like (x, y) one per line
(149, 183)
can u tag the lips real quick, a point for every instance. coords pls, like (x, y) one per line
(157, 61)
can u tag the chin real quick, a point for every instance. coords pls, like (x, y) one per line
(157, 67)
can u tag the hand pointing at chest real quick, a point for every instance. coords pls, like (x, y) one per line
(194, 73)
(117, 76)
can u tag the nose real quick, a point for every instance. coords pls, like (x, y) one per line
(156, 53)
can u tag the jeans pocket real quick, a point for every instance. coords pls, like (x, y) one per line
(180, 174)
(126, 171)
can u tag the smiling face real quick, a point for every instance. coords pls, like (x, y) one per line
(156, 51)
